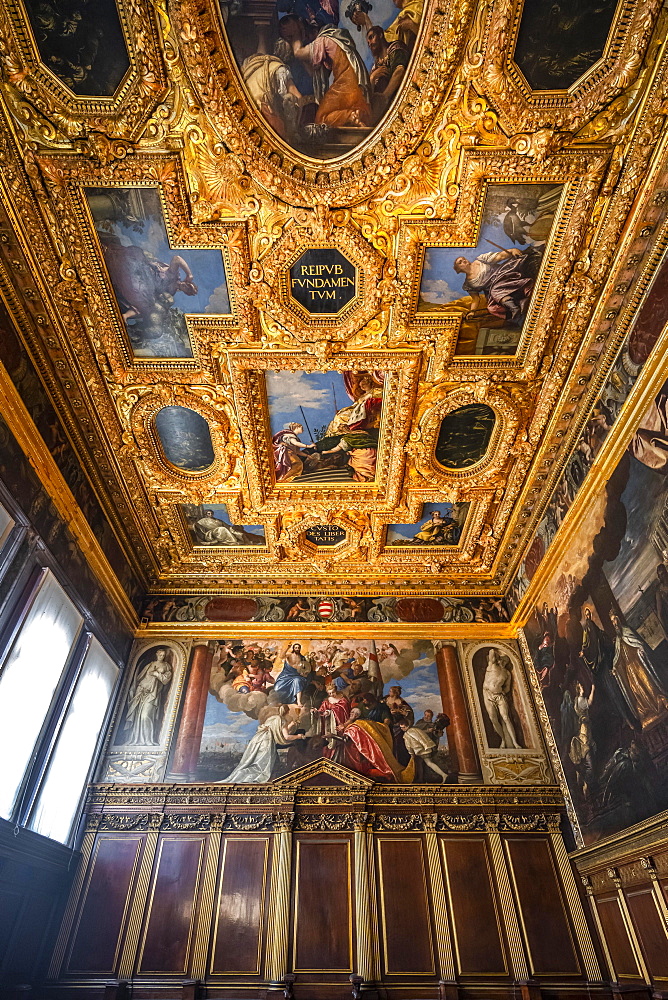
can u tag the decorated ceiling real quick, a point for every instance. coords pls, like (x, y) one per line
(324, 294)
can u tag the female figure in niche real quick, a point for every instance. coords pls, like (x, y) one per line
(144, 709)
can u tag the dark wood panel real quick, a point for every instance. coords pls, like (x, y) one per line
(617, 938)
(405, 907)
(542, 906)
(11, 903)
(172, 903)
(322, 938)
(99, 927)
(476, 925)
(238, 929)
(650, 930)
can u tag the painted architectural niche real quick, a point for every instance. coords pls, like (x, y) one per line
(322, 74)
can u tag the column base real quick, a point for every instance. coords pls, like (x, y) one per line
(115, 989)
(469, 779)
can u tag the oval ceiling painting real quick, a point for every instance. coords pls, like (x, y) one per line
(185, 438)
(322, 74)
(464, 436)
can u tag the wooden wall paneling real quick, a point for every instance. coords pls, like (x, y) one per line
(323, 913)
(541, 905)
(12, 901)
(475, 914)
(104, 904)
(651, 931)
(405, 909)
(620, 949)
(171, 907)
(239, 915)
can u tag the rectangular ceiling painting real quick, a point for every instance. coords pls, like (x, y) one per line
(155, 286)
(489, 287)
(599, 641)
(325, 425)
(439, 524)
(210, 525)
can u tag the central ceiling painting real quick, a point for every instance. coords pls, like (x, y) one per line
(321, 75)
(340, 412)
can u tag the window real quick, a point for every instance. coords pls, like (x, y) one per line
(6, 525)
(65, 777)
(30, 675)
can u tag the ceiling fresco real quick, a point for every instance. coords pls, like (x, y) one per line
(317, 288)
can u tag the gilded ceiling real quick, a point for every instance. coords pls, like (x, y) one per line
(323, 295)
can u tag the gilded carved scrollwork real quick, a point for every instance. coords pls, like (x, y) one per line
(464, 119)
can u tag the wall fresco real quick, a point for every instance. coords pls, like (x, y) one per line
(637, 347)
(275, 705)
(599, 641)
(324, 608)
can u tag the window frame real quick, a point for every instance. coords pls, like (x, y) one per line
(36, 563)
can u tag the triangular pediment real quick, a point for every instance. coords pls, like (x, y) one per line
(323, 772)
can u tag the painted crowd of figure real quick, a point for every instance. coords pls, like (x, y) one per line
(307, 76)
(330, 703)
(605, 692)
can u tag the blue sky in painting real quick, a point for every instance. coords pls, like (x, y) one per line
(206, 265)
(320, 394)
(420, 688)
(440, 283)
(409, 530)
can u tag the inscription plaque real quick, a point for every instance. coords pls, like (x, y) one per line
(325, 534)
(323, 281)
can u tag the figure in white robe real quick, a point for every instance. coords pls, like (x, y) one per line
(144, 711)
(261, 754)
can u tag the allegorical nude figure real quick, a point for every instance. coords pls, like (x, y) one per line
(496, 688)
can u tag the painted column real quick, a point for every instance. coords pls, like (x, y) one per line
(460, 734)
(192, 716)
(278, 931)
